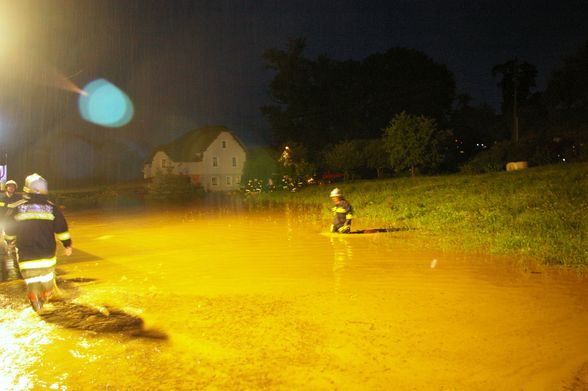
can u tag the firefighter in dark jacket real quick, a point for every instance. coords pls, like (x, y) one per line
(343, 213)
(32, 228)
(8, 258)
(8, 196)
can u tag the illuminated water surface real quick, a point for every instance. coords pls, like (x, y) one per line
(252, 300)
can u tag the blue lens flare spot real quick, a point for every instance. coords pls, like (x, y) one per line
(105, 104)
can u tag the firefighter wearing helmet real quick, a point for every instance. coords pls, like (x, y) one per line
(33, 225)
(343, 212)
(8, 197)
(10, 194)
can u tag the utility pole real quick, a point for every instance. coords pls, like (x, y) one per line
(515, 104)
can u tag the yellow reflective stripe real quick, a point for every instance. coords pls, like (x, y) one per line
(34, 216)
(37, 263)
(349, 216)
(2, 203)
(340, 210)
(43, 278)
(63, 236)
(17, 203)
(9, 237)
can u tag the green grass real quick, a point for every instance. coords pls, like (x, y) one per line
(540, 213)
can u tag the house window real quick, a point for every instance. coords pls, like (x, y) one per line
(214, 161)
(237, 179)
(163, 163)
(214, 181)
(229, 181)
(224, 144)
(234, 162)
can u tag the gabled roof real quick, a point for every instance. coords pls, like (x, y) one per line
(190, 146)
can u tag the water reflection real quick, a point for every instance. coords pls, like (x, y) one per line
(342, 254)
(23, 335)
(255, 299)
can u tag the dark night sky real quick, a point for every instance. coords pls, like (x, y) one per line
(187, 64)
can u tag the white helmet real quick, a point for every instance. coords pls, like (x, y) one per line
(11, 182)
(35, 184)
(335, 193)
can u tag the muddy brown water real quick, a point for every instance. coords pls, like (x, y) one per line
(251, 300)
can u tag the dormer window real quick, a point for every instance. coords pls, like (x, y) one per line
(223, 144)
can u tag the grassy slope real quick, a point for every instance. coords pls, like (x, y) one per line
(540, 212)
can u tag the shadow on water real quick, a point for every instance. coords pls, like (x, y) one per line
(103, 319)
(65, 312)
(100, 319)
(377, 230)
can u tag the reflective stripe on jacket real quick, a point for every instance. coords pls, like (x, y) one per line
(34, 223)
(343, 212)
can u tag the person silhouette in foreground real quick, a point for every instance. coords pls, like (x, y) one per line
(32, 227)
(343, 212)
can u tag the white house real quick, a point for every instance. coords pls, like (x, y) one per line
(212, 157)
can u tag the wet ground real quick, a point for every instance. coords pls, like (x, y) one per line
(229, 300)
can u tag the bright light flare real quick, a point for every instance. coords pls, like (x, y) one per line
(58, 80)
(103, 103)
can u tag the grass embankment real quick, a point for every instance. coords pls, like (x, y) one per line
(540, 213)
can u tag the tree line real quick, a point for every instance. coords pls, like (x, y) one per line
(399, 113)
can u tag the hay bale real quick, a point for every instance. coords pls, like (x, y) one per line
(513, 166)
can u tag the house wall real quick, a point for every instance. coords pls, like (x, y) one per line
(219, 171)
(216, 172)
(160, 163)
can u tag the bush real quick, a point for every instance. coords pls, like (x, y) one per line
(537, 152)
(490, 160)
(170, 187)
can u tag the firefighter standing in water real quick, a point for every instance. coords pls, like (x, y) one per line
(9, 196)
(343, 213)
(9, 265)
(32, 227)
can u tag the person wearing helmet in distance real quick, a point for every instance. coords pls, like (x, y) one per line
(10, 195)
(33, 225)
(343, 213)
(7, 197)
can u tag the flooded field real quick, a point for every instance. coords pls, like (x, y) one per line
(228, 300)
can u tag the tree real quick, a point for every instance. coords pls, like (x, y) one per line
(343, 156)
(320, 102)
(260, 164)
(375, 156)
(516, 82)
(291, 113)
(293, 167)
(475, 128)
(567, 92)
(414, 142)
(400, 80)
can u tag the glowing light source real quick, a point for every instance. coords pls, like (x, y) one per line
(102, 103)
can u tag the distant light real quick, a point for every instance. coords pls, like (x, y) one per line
(105, 104)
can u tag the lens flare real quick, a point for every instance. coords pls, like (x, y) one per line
(102, 103)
